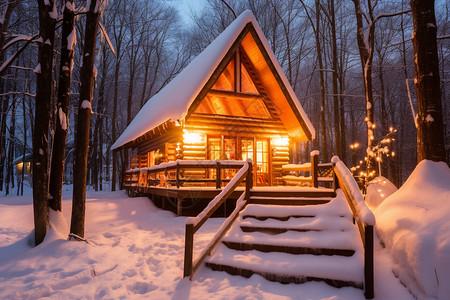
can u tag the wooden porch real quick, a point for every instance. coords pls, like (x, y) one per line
(186, 186)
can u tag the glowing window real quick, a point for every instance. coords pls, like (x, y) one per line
(233, 106)
(247, 85)
(225, 82)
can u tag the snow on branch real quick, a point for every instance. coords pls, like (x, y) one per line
(10, 60)
(105, 35)
(385, 15)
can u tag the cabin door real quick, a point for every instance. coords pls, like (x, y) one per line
(258, 151)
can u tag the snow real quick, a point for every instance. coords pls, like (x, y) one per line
(37, 70)
(87, 104)
(378, 190)
(72, 39)
(315, 152)
(365, 213)
(414, 225)
(63, 119)
(135, 251)
(182, 90)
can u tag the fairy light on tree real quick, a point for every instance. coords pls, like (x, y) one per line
(374, 153)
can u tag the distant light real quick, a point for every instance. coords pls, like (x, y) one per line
(192, 137)
(281, 141)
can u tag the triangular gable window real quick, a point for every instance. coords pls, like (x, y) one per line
(225, 82)
(247, 85)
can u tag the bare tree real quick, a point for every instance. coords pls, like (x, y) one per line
(47, 20)
(430, 129)
(62, 120)
(83, 122)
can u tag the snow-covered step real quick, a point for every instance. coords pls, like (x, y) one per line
(288, 249)
(337, 271)
(310, 239)
(313, 240)
(334, 207)
(288, 200)
(334, 223)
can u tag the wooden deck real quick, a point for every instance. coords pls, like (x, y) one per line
(189, 201)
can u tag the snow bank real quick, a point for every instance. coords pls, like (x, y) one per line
(378, 190)
(414, 224)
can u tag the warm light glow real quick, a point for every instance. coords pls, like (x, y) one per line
(281, 141)
(393, 153)
(374, 126)
(192, 137)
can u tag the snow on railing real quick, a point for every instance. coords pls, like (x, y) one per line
(344, 174)
(363, 216)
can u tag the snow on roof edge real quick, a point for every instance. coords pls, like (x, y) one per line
(286, 83)
(192, 79)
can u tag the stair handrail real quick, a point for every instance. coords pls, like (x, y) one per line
(193, 224)
(362, 215)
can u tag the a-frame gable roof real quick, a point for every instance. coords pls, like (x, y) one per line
(178, 99)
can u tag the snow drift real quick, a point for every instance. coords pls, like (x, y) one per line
(414, 224)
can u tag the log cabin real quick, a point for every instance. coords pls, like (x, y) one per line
(232, 102)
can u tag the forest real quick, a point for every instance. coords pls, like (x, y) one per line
(349, 62)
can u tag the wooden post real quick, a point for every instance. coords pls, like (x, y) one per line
(179, 205)
(188, 249)
(315, 168)
(218, 176)
(178, 175)
(249, 180)
(335, 179)
(368, 262)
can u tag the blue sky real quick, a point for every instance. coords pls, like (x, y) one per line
(186, 6)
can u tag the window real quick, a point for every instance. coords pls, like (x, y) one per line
(233, 106)
(225, 82)
(247, 85)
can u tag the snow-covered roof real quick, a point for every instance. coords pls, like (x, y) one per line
(173, 101)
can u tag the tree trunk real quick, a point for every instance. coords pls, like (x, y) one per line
(24, 147)
(101, 111)
(366, 55)
(337, 129)
(62, 119)
(429, 122)
(114, 120)
(324, 151)
(83, 121)
(42, 115)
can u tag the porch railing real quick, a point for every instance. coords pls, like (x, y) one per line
(193, 224)
(171, 173)
(363, 217)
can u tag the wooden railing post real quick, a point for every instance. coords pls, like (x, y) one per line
(218, 176)
(315, 168)
(177, 179)
(188, 249)
(249, 180)
(368, 262)
(335, 179)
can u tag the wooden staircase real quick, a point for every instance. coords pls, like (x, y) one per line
(293, 238)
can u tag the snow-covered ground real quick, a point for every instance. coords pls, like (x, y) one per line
(136, 251)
